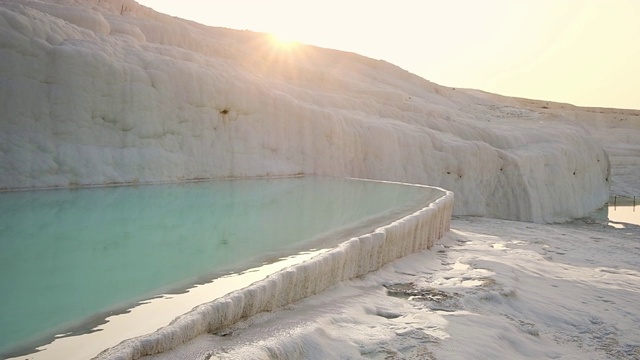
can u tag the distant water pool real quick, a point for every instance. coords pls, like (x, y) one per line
(70, 257)
(620, 211)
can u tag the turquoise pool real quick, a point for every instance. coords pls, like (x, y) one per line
(69, 258)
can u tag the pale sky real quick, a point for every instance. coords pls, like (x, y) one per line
(584, 52)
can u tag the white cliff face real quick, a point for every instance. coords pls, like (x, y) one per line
(617, 130)
(104, 92)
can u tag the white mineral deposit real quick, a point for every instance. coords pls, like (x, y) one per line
(101, 93)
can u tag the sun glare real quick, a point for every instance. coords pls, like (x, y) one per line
(283, 42)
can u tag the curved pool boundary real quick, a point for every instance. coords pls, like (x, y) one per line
(350, 259)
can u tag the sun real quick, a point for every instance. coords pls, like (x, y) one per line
(282, 54)
(283, 42)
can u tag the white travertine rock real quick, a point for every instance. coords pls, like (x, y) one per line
(617, 130)
(103, 92)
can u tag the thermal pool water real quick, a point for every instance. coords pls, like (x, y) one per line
(619, 212)
(71, 258)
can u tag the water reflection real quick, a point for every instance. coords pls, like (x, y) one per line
(67, 255)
